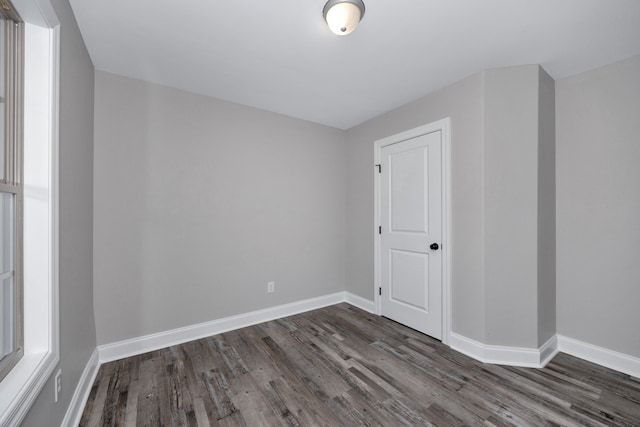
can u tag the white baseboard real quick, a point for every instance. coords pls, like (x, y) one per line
(514, 356)
(361, 303)
(599, 355)
(80, 396)
(548, 350)
(144, 344)
(501, 355)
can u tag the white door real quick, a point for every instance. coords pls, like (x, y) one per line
(411, 232)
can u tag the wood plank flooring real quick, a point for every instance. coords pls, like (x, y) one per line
(341, 366)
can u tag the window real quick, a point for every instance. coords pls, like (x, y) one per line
(11, 190)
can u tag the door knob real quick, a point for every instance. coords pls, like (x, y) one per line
(434, 246)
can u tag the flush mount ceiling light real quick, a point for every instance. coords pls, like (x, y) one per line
(343, 16)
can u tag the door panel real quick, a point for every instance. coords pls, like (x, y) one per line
(408, 207)
(411, 219)
(406, 268)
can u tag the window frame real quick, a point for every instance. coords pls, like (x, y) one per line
(12, 181)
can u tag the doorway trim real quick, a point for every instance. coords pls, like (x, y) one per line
(444, 126)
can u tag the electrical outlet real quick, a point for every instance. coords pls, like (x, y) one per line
(271, 287)
(58, 384)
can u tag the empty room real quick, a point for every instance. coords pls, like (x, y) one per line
(336, 213)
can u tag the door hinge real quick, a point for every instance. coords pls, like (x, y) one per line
(380, 230)
(379, 168)
(380, 291)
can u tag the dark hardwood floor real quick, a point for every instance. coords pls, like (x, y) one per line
(341, 366)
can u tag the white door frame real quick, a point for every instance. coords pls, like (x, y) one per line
(444, 126)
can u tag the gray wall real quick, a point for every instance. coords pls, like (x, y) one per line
(510, 205)
(199, 203)
(77, 325)
(598, 206)
(546, 208)
(519, 202)
(463, 102)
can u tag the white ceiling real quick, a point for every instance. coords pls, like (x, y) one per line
(279, 55)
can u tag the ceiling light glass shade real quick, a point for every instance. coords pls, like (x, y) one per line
(343, 16)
